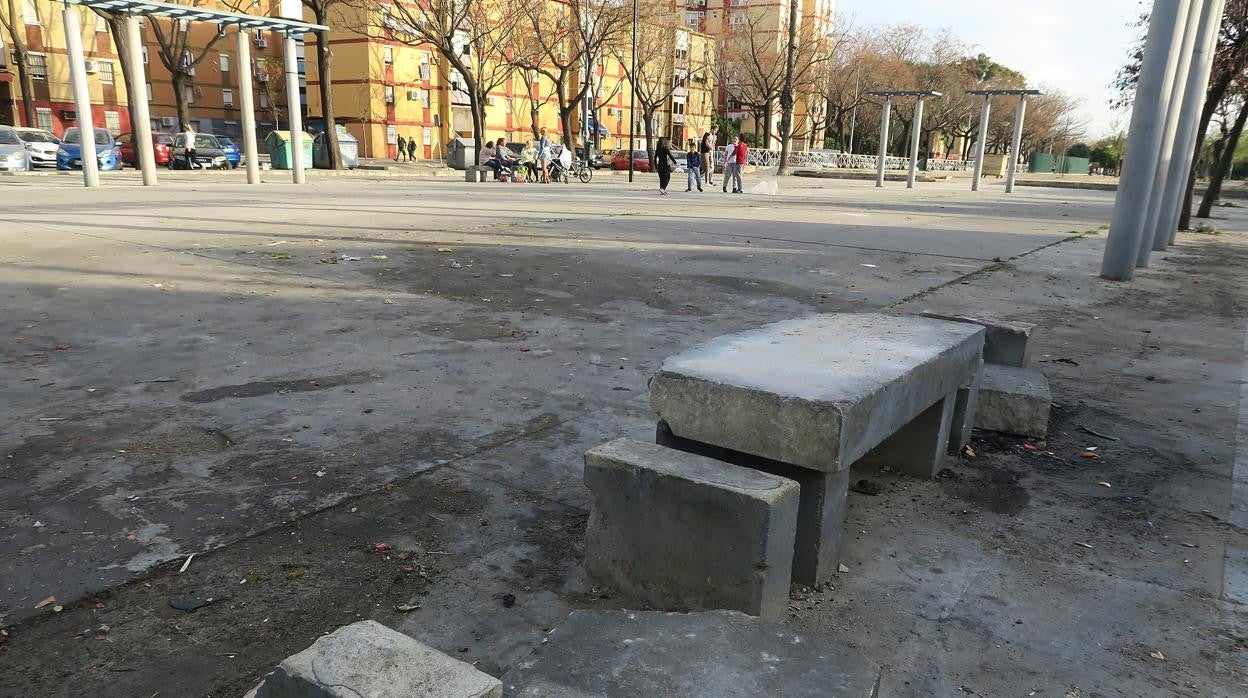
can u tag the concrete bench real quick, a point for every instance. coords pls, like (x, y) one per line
(677, 529)
(717, 653)
(816, 395)
(477, 173)
(1006, 343)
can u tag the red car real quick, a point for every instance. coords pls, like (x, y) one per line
(161, 141)
(641, 160)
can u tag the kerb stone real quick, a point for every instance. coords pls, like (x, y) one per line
(1006, 343)
(678, 529)
(1014, 401)
(718, 653)
(369, 659)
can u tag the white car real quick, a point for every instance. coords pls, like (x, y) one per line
(13, 155)
(40, 144)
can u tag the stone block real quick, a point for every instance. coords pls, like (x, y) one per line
(821, 504)
(1014, 401)
(678, 529)
(919, 448)
(964, 407)
(1006, 343)
(817, 392)
(717, 653)
(476, 173)
(369, 659)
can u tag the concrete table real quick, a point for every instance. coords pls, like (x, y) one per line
(806, 398)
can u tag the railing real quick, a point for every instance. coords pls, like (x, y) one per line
(843, 161)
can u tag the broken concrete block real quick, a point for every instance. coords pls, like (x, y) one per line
(1014, 401)
(675, 528)
(817, 392)
(1006, 343)
(717, 653)
(369, 659)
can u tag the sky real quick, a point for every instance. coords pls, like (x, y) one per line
(1076, 46)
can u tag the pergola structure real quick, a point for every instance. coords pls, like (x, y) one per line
(916, 131)
(1174, 75)
(133, 10)
(1016, 141)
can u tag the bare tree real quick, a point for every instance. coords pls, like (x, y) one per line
(271, 83)
(180, 53)
(654, 77)
(321, 10)
(15, 25)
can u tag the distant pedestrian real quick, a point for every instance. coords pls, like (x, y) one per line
(707, 150)
(543, 156)
(693, 163)
(730, 160)
(411, 149)
(741, 152)
(663, 161)
(402, 149)
(188, 145)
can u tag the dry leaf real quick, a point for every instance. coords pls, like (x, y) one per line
(1156, 654)
(970, 452)
(46, 602)
(1102, 483)
(1089, 454)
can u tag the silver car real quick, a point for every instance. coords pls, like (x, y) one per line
(13, 155)
(40, 144)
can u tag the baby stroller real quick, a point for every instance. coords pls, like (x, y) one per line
(560, 164)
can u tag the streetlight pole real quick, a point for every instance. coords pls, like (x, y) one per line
(632, 105)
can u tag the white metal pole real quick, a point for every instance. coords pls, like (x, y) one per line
(982, 146)
(138, 97)
(1143, 140)
(293, 114)
(1016, 144)
(915, 137)
(1189, 122)
(248, 107)
(884, 119)
(1173, 91)
(82, 96)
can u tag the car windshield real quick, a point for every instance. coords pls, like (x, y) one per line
(224, 141)
(8, 137)
(203, 141)
(37, 137)
(164, 139)
(641, 155)
(101, 136)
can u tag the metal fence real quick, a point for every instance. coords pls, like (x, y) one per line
(843, 161)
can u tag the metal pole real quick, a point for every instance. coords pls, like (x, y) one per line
(632, 104)
(138, 97)
(293, 114)
(982, 146)
(884, 119)
(1016, 143)
(1173, 104)
(247, 106)
(82, 96)
(1193, 98)
(853, 115)
(1143, 141)
(915, 137)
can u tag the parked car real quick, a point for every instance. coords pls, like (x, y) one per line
(602, 160)
(232, 154)
(69, 155)
(161, 147)
(42, 145)
(13, 154)
(209, 155)
(641, 160)
(682, 164)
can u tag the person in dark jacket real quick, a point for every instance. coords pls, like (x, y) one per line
(402, 149)
(663, 161)
(693, 163)
(411, 149)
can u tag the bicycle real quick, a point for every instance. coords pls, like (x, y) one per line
(581, 171)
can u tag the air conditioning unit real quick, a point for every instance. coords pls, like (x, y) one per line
(91, 66)
(414, 96)
(490, 101)
(167, 121)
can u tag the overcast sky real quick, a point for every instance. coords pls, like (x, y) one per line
(1076, 46)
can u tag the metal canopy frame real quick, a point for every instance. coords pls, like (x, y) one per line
(907, 93)
(1016, 141)
(1015, 93)
(141, 8)
(917, 131)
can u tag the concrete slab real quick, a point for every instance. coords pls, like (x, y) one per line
(717, 653)
(850, 381)
(369, 659)
(1014, 401)
(681, 530)
(1006, 342)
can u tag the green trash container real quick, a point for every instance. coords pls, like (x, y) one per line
(278, 143)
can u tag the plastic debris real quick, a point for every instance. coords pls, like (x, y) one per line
(389, 301)
(279, 255)
(1083, 545)
(455, 265)
(381, 547)
(445, 249)
(871, 266)
(348, 258)
(1102, 483)
(1156, 654)
(842, 568)
(379, 257)
(407, 607)
(187, 563)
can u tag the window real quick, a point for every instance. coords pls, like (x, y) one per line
(424, 98)
(188, 63)
(144, 55)
(426, 136)
(507, 104)
(112, 122)
(692, 19)
(389, 94)
(106, 72)
(225, 62)
(30, 13)
(424, 71)
(392, 135)
(38, 64)
(43, 117)
(227, 97)
(101, 25)
(737, 19)
(261, 41)
(4, 54)
(264, 100)
(189, 93)
(149, 91)
(387, 55)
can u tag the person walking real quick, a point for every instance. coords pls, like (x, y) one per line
(188, 144)
(707, 150)
(411, 149)
(730, 160)
(663, 164)
(693, 163)
(402, 149)
(741, 151)
(543, 156)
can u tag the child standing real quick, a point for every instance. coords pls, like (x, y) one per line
(693, 163)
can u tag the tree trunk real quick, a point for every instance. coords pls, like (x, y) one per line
(117, 29)
(16, 25)
(180, 80)
(767, 108)
(786, 93)
(648, 114)
(1224, 166)
(1212, 99)
(323, 58)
